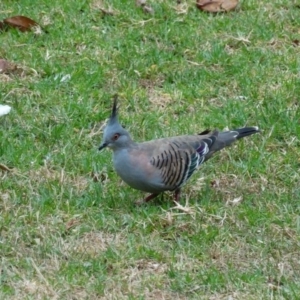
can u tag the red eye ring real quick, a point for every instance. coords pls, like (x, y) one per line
(116, 136)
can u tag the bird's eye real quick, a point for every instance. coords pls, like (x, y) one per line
(116, 136)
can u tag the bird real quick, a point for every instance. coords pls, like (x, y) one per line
(164, 164)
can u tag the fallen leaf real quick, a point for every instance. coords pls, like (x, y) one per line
(215, 6)
(21, 22)
(4, 109)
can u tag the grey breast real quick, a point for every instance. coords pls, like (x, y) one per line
(135, 172)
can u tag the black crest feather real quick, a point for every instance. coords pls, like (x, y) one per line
(114, 111)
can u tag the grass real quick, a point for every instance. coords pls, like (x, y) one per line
(69, 229)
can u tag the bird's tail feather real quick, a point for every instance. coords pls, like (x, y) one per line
(226, 138)
(243, 132)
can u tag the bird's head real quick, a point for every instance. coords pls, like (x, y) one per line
(114, 135)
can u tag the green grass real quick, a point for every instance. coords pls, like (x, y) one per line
(65, 235)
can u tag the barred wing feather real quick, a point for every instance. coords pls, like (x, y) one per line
(179, 160)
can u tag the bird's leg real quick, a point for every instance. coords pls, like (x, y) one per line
(147, 199)
(177, 195)
(150, 197)
(185, 209)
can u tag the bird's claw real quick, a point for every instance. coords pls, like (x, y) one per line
(185, 209)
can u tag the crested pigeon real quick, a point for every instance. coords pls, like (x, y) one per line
(163, 164)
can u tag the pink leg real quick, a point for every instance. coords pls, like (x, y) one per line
(177, 195)
(150, 197)
(147, 199)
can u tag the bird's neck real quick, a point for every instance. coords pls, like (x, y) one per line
(129, 144)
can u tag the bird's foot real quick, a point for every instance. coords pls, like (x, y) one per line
(177, 195)
(185, 209)
(147, 199)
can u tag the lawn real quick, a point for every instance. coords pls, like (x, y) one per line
(69, 226)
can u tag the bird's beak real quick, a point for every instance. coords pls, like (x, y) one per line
(102, 146)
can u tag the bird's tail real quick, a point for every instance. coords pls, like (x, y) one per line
(243, 132)
(226, 138)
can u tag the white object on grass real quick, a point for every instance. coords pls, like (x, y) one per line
(4, 109)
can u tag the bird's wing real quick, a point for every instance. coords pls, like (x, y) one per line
(178, 158)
